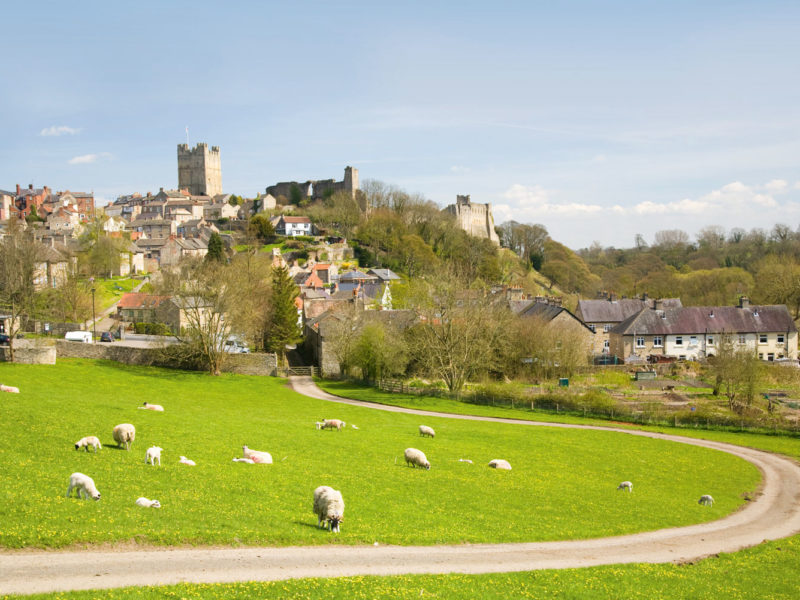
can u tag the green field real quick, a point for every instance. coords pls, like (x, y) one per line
(220, 502)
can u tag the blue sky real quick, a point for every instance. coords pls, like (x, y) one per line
(599, 120)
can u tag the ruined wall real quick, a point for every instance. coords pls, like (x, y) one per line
(475, 219)
(319, 188)
(199, 170)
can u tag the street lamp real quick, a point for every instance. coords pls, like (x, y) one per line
(94, 320)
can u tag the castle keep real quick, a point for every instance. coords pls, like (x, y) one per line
(475, 219)
(199, 170)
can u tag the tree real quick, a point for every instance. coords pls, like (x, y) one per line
(737, 373)
(547, 348)
(295, 195)
(105, 256)
(216, 248)
(261, 228)
(282, 328)
(18, 260)
(379, 351)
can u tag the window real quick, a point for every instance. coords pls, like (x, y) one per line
(679, 340)
(742, 338)
(762, 338)
(780, 338)
(640, 341)
(711, 340)
(693, 340)
(592, 327)
(657, 341)
(606, 345)
(760, 356)
(682, 357)
(606, 327)
(770, 357)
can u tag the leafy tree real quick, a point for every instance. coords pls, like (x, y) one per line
(282, 328)
(737, 373)
(216, 248)
(261, 228)
(295, 195)
(379, 351)
(18, 266)
(33, 216)
(105, 256)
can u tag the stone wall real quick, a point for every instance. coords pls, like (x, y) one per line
(30, 352)
(475, 219)
(316, 189)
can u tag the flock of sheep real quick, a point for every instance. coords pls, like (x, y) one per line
(705, 499)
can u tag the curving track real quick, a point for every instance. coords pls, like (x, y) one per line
(774, 514)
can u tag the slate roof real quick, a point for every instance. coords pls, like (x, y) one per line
(708, 319)
(548, 312)
(385, 274)
(356, 276)
(616, 311)
(138, 300)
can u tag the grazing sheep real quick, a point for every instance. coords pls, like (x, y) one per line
(258, 457)
(319, 424)
(83, 486)
(148, 503)
(424, 430)
(155, 407)
(625, 485)
(9, 388)
(333, 424)
(249, 461)
(152, 455)
(186, 461)
(706, 500)
(90, 440)
(329, 507)
(416, 458)
(499, 463)
(353, 426)
(466, 460)
(124, 435)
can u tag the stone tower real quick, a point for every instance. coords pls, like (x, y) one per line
(199, 170)
(475, 219)
(351, 180)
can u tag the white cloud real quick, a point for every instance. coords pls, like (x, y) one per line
(56, 130)
(531, 203)
(459, 170)
(685, 206)
(85, 159)
(777, 185)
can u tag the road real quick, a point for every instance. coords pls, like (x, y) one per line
(775, 513)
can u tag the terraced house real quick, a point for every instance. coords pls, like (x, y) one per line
(695, 332)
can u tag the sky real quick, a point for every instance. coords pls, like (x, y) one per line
(598, 120)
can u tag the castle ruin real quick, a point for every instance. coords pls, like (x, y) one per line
(475, 219)
(316, 190)
(199, 170)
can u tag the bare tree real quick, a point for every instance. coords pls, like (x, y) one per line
(737, 373)
(18, 260)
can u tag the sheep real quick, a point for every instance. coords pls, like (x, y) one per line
(83, 486)
(9, 388)
(333, 424)
(152, 455)
(155, 407)
(87, 441)
(465, 460)
(258, 457)
(625, 485)
(328, 506)
(416, 458)
(186, 461)
(142, 501)
(319, 424)
(249, 461)
(124, 434)
(706, 500)
(499, 463)
(424, 430)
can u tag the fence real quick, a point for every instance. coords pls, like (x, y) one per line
(302, 371)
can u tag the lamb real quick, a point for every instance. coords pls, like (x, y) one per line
(258, 457)
(9, 388)
(328, 506)
(332, 424)
(83, 486)
(87, 441)
(152, 455)
(424, 430)
(499, 463)
(706, 500)
(249, 461)
(186, 461)
(625, 485)
(416, 458)
(124, 434)
(319, 424)
(155, 407)
(142, 501)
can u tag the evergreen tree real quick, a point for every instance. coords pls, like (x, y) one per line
(216, 249)
(282, 328)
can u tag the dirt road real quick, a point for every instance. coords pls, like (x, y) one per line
(773, 514)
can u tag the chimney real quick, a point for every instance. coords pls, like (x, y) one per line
(658, 304)
(744, 302)
(645, 296)
(612, 297)
(30, 186)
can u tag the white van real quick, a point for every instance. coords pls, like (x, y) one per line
(79, 336)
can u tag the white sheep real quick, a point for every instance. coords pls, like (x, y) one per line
(416, 458)
(706, 500)
(258, 457)
(152, 455)
(465, 460)
(499, 463)
(319, 424)
(88, 441)
(249, 461)
(83, 486)
(332, 424)
(187, 461)
(142, 501)
(424, 430)
(155, 407)
(329, 507)
(124, 434)
(9, 388)
(625, 485)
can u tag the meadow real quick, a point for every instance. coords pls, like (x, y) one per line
(563, 485)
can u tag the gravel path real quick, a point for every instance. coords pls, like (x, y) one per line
(775, 513)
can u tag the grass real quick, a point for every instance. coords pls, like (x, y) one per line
(107, 293)
(220, 502)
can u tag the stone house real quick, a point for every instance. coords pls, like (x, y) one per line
(134, 307)
(294, 226)
(222, 210)
(52, 267)
(175, 249)
(560, 319)
(694, 332)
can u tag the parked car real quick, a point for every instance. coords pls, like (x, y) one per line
(79, 336)
(235, 346)
(4, 339)
(106, 336)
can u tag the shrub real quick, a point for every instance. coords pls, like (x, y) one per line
(151, 329)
